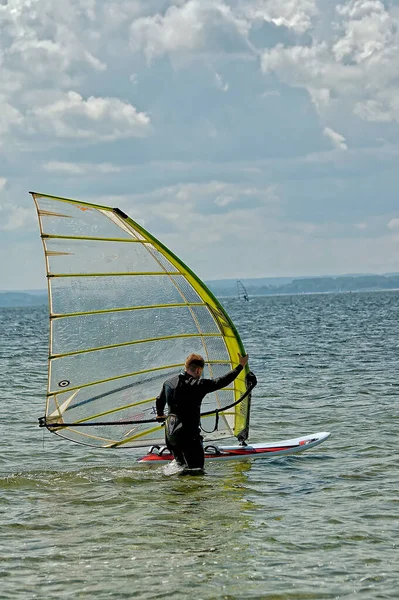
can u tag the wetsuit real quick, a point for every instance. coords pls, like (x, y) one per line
(183, 394)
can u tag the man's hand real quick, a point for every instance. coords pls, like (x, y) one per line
(251, 379)
(243, 360)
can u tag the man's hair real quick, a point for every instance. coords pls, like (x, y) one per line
(194, 360)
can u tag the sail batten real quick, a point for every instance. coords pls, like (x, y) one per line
(131, 343)
(128, 308)
(124, 314)
(112, 274)
(91, 238)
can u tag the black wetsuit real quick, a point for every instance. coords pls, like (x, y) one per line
(183, 394)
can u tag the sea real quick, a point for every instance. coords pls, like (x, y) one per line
(78, 522)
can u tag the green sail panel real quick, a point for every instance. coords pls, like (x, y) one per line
(124, 314)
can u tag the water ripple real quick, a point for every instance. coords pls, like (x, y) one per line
(77, 522)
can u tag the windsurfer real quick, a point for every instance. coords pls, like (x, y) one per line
(183, 394)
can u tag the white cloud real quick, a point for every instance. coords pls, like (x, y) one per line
(9, 117)
(355, 66)
(3, 182)
(186, 28)
(214, 208)
(270, 93)
(93, 119)
(301, 66)
(201, 198)
(48, 49)
(367, 29)
(44, 56)
(220, 84)
(361, 226)
(43, 40)
(15, 217)
(337, 139)
(265, 245)
(181, 28)
(382, 110)
(393, 224)
(224, 200)
(293, 14)
(81, 169)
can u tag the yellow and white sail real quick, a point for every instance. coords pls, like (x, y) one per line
(124, 314)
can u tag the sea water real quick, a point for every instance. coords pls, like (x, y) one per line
(77, 522)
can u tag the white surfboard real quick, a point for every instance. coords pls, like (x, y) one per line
(157, 455)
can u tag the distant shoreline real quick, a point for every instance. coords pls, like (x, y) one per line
(28, 299)
(308, 285)
(341, 293)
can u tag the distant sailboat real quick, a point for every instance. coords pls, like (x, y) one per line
(241, 291)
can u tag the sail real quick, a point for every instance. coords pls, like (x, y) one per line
(125, 312)
(241, 291)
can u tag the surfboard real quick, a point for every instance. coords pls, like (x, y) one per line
(157, 455)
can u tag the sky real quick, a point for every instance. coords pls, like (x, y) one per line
(254, 138)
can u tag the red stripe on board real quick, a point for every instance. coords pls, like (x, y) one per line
(253, 451)
(243, 452)
(157, 457)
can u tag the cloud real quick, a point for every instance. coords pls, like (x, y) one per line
(223, 220)
(12, 216)
(266, 244)
(382, 110)
(292, 14)
(367, 29)
(189, 27)
(9, 117)
(215, 208)
(393, 224)
(47, 53)
(42, 42)
(361, 226)
(270, 93)
(224, 200)
(220, 84)
(209, 197)
(93, 119)
(181, 28)
(355, 66)
(81, 169)
(337, 139)
(15, 217)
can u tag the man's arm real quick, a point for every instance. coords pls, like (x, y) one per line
(160, 403)
(212, 385)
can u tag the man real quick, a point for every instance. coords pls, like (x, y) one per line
(184, 394)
